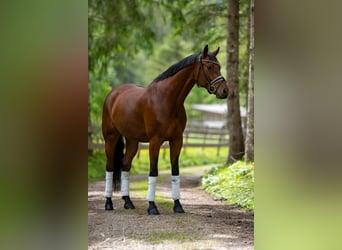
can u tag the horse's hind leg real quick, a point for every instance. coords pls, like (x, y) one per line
(111, 141)
(131, 150)
(154, 148)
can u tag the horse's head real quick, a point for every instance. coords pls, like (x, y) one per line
(209, 75)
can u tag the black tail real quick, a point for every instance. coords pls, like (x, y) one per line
(118, 155)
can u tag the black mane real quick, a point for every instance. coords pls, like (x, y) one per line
(177, 67)
(181, 65)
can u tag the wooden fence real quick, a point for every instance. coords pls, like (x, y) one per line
(195, 135)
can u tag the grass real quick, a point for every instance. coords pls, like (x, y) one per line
(189, 157)
(158, 237)
(234, 183)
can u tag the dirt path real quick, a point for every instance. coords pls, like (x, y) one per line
(206, 223)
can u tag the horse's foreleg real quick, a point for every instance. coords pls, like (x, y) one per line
(152, 179)
(175, 148)
(131, 150)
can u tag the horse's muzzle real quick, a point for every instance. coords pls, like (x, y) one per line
(222, 91)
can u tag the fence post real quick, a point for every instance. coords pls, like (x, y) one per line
(205, 137)
(138, 154)
(164, 151)
(219, 144)
(186, 135)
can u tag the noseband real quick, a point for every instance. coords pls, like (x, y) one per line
(212, 82)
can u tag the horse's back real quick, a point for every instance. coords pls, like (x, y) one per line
(115, 92)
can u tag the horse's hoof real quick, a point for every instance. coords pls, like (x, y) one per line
(177, 208)
(109, 204)
(128, 203)
(152, 209)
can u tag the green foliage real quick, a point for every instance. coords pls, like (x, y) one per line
(234, 183)
(97, 92)
(96, 165)
(203, 21)
(116, 29)
(168, 51)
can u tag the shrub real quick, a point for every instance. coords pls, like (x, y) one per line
(234, 183)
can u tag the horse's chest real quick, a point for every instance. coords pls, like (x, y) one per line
(174, 128)
(165, 124)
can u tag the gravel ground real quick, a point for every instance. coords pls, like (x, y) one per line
(206, 223)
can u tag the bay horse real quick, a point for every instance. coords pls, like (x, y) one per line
(154, 114)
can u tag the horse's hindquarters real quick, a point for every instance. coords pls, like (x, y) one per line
(127, 111)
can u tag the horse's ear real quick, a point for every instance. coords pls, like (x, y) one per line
(216, 51)
(205, 51)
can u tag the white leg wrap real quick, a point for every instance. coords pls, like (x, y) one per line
(151, 194)
(124, 183)
(109, 184)
(175, 182)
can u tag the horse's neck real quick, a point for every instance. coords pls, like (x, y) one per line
(178, 87)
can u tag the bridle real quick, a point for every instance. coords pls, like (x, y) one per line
(212, 82)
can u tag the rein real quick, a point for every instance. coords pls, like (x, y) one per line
(212, 82)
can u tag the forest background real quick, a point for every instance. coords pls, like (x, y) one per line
(149, 36)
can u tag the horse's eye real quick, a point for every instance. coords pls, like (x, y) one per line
(210, 67)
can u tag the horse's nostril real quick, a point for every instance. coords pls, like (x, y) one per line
(224, 91)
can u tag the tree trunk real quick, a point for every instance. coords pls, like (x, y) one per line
(250, 109)
(246, 72)
(236, 142)
(90, 132)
